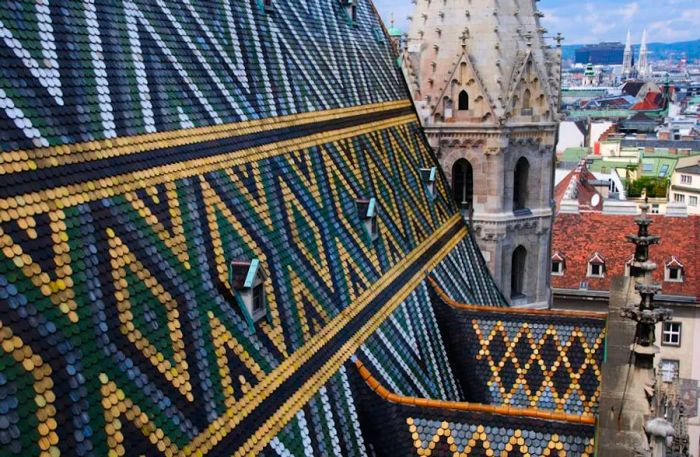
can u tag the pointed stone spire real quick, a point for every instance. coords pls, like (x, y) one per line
(642, 63)
(497, 38)
(627, 59)
(646, 314)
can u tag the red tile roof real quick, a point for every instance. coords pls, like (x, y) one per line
(577, 237)
(652, 101)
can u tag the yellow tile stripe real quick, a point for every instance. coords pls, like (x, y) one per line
(32, 159)
(63, 196)
(206, 440)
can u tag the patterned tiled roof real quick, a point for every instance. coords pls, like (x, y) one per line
(528, 359)
(150, 151)
(399, 425)
(578, 236)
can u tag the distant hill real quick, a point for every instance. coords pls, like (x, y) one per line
(657, 51)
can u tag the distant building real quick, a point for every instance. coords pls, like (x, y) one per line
(685, 187)
(607, 53)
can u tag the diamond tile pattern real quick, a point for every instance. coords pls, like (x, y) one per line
(549, 362)
(399, 429)
(144, 146)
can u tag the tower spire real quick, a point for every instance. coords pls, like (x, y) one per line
(627, 59)
(646, 314)
(642, 63)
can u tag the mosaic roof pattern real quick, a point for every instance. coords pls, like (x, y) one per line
(76, 71)
(147, 146)
(411, 426)
(546, 360)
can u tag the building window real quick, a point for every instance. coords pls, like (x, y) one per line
(686, 179)
(648, 167)
(258, 300)
(679, 198)
(664, 170)
(673, 270)
(267, 5)
(669, 369)
(671, 335)
(463, 183)
(527, 103)
(367, 211)
(692, 200)
(557, 268)
(557, 264)
(596, 266)
(520, 184)
(246, 279)
(463, 104)
(517, 273)
(428, 176)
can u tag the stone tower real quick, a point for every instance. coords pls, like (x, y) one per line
(486, 88)
(627, 57)
(642, 63)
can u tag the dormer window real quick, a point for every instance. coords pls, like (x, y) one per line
(673, 270)
(557, 264)
(596, 266)
(367, 211)
(266, 5)
(247, 279)
(428, 176)
(350, 10)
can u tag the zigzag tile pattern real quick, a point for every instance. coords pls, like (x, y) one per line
(402, 429)
(85, 70)
(459, 278)
(546, 361)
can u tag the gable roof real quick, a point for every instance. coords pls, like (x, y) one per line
(579, 236)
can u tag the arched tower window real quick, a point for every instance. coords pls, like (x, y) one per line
(520, 184)
(463, 183)
(463, 101)
(517, 272)
(527, 99)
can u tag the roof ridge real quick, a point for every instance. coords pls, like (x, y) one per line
(535, 413)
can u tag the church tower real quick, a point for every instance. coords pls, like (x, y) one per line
(642, 63)
(487, 90)
(627, 57)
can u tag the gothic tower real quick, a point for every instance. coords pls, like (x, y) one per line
(487, 87)
(642, 63)
(627, 58)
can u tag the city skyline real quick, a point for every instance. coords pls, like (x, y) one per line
(593, 21)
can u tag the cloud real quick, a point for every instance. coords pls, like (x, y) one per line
(591, 21)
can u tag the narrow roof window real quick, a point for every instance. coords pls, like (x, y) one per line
(428, 176)
(367, 212)
(247, 278)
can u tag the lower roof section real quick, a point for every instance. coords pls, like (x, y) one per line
(397, 425)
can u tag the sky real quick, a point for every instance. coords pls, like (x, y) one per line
(592, 21)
